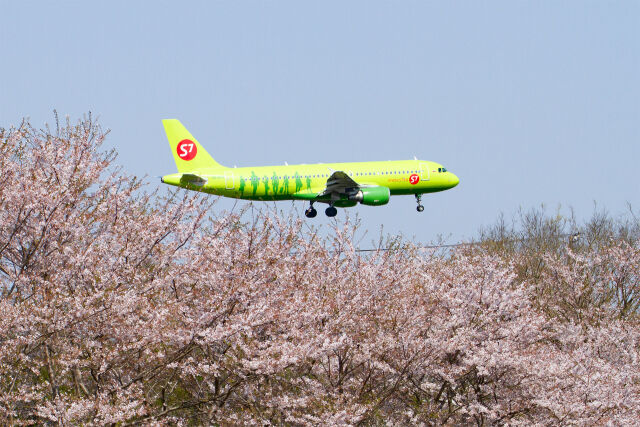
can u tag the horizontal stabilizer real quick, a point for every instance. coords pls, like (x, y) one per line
(182, 179)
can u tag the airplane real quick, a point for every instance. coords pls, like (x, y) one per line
(337, 184)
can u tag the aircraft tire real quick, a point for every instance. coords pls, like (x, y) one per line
(331, 211)
(310, 213)
(420, 208)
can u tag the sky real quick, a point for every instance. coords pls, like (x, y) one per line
(527, 102)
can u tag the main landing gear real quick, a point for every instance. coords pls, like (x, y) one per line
(311, 212)
(331, 211)
(420, 208)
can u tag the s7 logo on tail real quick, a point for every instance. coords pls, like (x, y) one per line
(187, 149)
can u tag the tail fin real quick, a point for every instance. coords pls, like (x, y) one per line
(187, 151)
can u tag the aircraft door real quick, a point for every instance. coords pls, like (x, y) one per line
(229, 182)
(424, 172)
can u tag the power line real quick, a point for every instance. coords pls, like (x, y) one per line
(451, 245)
(572, 236)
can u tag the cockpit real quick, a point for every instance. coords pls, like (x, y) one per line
(442, 169)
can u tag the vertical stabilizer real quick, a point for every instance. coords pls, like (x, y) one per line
(188, 154)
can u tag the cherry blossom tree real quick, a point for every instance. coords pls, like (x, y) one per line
(120, 305)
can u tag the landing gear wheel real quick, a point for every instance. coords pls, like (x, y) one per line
(420, 208)
(311, 212)
(331, 211)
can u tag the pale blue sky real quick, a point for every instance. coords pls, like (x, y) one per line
(527, 102)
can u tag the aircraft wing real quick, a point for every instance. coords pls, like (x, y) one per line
(339, 183)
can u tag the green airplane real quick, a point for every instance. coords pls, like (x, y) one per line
(337, 184)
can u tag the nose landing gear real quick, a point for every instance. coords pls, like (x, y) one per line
(420, 208)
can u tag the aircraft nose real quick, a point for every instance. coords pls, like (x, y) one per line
(454, 180)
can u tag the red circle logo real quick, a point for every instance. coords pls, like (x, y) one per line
(187, 149)
(414, 178)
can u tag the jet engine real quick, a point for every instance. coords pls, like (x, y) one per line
(372, 196)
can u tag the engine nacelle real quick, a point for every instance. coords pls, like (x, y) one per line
(372, 196)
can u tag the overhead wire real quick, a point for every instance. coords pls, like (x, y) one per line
(573, 237)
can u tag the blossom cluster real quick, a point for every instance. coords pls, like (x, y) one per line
(121, 306)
